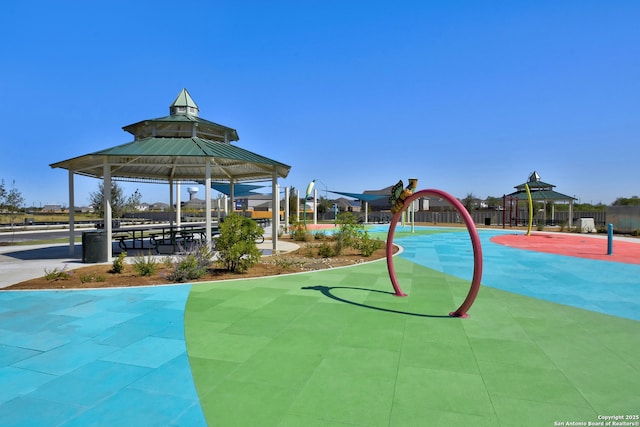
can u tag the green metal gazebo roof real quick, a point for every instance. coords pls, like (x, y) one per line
(177, 148)
(177, 159)
(540, 191)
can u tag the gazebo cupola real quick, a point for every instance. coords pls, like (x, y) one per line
(184, 105)
(183, 121)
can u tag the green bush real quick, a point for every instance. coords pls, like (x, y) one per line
(367, 246)
(325, 250)
(57, 274)
(320, 235)
(236, 245)
(192, 265)
(89, 278)
(145, 266)
(118, 264)
(299, 232)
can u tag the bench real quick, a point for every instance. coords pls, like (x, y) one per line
(122, 240)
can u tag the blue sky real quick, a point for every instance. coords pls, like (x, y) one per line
(466, 96)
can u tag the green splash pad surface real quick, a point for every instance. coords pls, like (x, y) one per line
(335, 347)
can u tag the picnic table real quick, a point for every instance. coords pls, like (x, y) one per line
(171, 238)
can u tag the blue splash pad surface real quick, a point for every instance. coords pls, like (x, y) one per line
(96, 357)
(600, 286)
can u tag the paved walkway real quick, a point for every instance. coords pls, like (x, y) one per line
(24, 262)
(333, 347)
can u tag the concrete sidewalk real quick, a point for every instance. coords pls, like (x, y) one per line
(24, 262)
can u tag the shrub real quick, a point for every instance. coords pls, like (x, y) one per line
(349, 232)
(118, 264)
(325, 250)
(236, 246)
(367, 246)
(193, 264)
(89, 278)
(145, 266)
(57, 274)
(299, 232)
(320, 235)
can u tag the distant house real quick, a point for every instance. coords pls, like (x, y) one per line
(159, 206)
(142, 207)
(51, 208)
(84, 209)
(347, 205)
(254, 202)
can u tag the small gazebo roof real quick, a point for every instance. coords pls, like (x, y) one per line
(177, 148)
(540, 191)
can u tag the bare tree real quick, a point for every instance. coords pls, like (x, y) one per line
(11, 200)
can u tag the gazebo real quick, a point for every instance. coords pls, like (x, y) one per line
(542, 192)
(178, 148)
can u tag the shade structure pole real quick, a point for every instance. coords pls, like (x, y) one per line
(297, 205)
(315, 206)
(366, 212)
(218, 210)
(286, 208)
(106, 195)
(232, 196)
(72, 226)
(207, 203)
(275, 214)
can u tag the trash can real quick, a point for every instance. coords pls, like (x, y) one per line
(487, 221)
(94, 247)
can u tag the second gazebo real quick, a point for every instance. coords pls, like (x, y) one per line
(542, 192)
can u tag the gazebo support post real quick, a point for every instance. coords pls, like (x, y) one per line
(171, 210)
(570, 213)
(72, 227)
(106, 195)
(178, 205)
(207, 203)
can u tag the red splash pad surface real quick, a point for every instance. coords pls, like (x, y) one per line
(319, 226)
(577, 246)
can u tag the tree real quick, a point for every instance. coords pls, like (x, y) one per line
(627, 201)
(118, 201)
(470, 201)
(10, 200)
(134, 201)
(324, 205)
(236, 245)
(494, 202)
